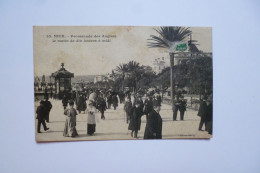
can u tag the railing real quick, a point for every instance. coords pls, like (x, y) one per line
(195, 104)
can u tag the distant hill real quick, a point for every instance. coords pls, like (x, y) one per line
(89, 78)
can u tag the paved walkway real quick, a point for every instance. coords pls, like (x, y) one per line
(115, 127)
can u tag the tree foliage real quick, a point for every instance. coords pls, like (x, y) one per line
(195, 74)
(167, 35)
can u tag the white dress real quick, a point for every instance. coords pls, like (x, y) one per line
(91, 111)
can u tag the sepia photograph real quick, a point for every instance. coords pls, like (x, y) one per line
(122, 83)
(129, 86)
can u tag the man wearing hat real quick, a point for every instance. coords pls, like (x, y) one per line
(202, 112)
(176, 103)
(209, 115)
(47, 106)
(148, 105)
(101, 105)
(153, 129)
(65, 101)
(115, 101)
(41, 113)
(182, 107)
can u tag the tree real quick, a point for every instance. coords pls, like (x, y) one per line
(167, 38)
(196, 74)
(135, 71)
(123, 69)
(200, 74)
(162, 80)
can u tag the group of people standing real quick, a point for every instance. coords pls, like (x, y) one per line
(88, 102)
(134, 106)
(136, 109)
(71, 113)
(180, 105)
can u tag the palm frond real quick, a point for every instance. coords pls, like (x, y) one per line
(167, 35)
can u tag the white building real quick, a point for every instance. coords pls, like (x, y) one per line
(98, 78)
(158, 65)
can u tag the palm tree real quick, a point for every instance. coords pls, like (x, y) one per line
(167, 38)
(135, 71)
(122, 68)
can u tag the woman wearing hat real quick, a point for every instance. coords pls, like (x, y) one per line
(153, 129)
(135, 119)
(70, 123)
(128, 109)
(92, 113)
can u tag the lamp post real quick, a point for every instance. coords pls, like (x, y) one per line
(172, 81)
(174, 46)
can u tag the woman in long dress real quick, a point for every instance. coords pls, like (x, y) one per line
(135, 119)
(70, 123)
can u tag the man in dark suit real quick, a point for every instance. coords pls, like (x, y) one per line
(41, 113)
(47, 106)
(101, 105)
(202, 113)
(153, 129)
(148, 105)
(182, 107)
(175, 112)
(209, 115)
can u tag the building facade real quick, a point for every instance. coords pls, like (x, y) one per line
(158, 65)
(98, 78)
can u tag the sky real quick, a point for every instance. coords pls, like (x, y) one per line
(95, 58)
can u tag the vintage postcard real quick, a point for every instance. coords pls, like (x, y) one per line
(122, 82)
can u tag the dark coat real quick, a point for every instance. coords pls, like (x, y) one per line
(202, 109)
(182, 105)
(109, 99)
(140, 101)
(115, 100)
(209, 112)
(128, 107)
(41, 112)
(65, 101)
(81, 104)
(135, 119)
(101, 104)
(47, 105)
(153, 125)
(148, 106)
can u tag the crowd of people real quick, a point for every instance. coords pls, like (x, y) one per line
(136, 105)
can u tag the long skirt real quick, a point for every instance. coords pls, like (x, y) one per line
(91, 129)
(70, 127)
